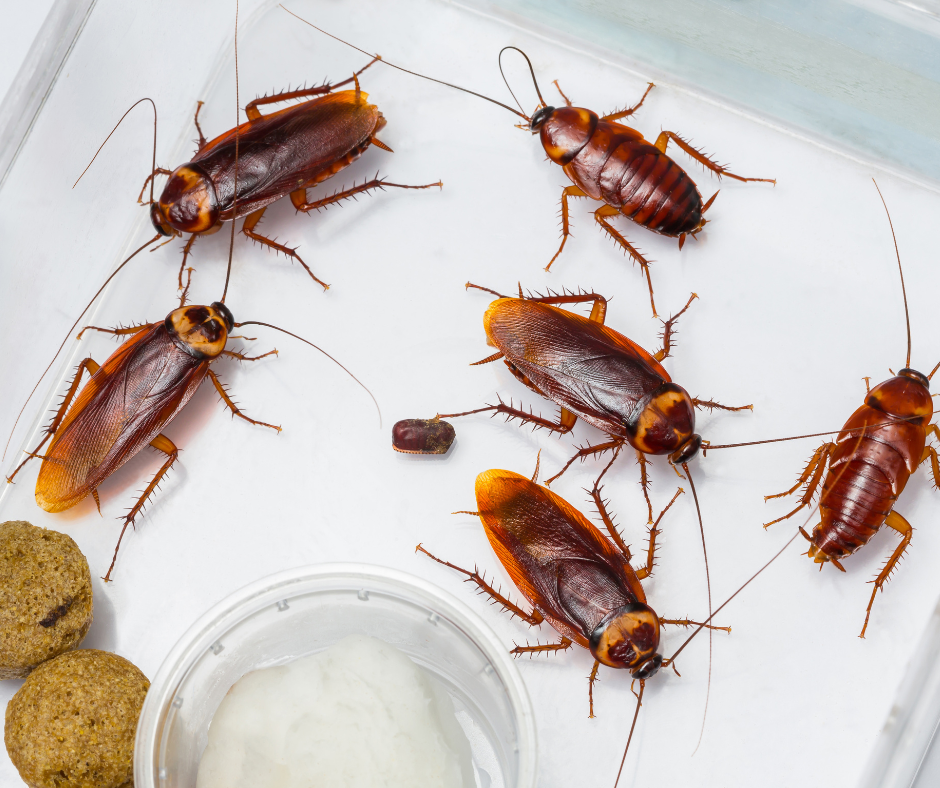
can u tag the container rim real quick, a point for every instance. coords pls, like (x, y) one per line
(235, 607)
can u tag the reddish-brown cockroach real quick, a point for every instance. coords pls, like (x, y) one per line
(613, 164)
(422, 436)
(575, 578)
(135, 394)
(284, 153)
(870, 461)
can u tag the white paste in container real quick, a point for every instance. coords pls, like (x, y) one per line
(359, 715)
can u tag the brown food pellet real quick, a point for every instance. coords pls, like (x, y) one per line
(72, 723)
(45, 597)
(422, 436)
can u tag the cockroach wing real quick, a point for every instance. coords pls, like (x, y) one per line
(124, 406)
(582, 365)
(289, 149)
(560, 562)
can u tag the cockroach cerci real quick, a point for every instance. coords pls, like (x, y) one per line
(870, 462)
(613, 164)
(284, 153)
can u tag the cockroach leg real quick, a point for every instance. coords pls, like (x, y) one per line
(165, 445)
(598, 310)
(815, 469)
(647, 571)
(608, 521)
(931, 452)
(253, 113)
(712, 405)
(624, 113)
(248, 229)
(532, 619)
(241, 357)
(867, 384)
(567, 100)
(587, 451)
(684, 622)
(186, 250)
(189, 280)
(645, 483)
(668, 331)
(516, 413)
(232, 406)
(154, 174)
(591, 679)
(118, 332)
(299, 196)
(601, 215)
(568, 191)
(484, 289)
(86, 364)
(202, 137)
(548, 648)
(663, 140)
(903, 527)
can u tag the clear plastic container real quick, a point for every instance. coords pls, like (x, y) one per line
(302, 611)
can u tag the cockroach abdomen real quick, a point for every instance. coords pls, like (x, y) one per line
(422, 436)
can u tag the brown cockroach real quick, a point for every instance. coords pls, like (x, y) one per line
(575, 578)
(881, 445)
(613, 164)
(284, 153)
(131, 398)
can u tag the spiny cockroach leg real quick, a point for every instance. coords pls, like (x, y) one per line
(92, 366)
(186, 250)
(253, 113)
(712, 405)
(598, 310)
(601, 215)
(646, 571)
(248, 228)
(567, 100)
(568, 191)
(587, 451)
(815, 469)
(663, 140)
(158, 171)
(668, 331)
(232, 406)
(624, 113)
(685, 622)
(533, 619)
(591, 679)
(903, 527)
(118, 332)
(202, 137)
(515, 413)
(165, 445)
(242, 357)
(545, 648)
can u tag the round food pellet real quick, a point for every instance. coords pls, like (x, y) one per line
(45, 597)
(73, 721)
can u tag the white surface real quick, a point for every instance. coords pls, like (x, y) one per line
(21, 23)
(799, 300)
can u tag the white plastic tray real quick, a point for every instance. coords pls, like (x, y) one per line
(799, 300)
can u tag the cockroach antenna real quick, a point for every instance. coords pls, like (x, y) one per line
(535, 82)
(231, 245)
(413, 73)
(907, 317)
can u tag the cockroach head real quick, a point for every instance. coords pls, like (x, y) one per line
(201, 331)
(628, 637)
(538, 118)
(905, 396)
(188, 204)
(687, 450)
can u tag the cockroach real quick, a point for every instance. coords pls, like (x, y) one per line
(280, 154)
(422, 436)
(131, 398)
(612, 163)
(579, 581)
(881, 445)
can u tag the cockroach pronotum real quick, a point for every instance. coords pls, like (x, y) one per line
(613, 164)
(134, 395)
(284, 153)
(870, 462)
(575, 578)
